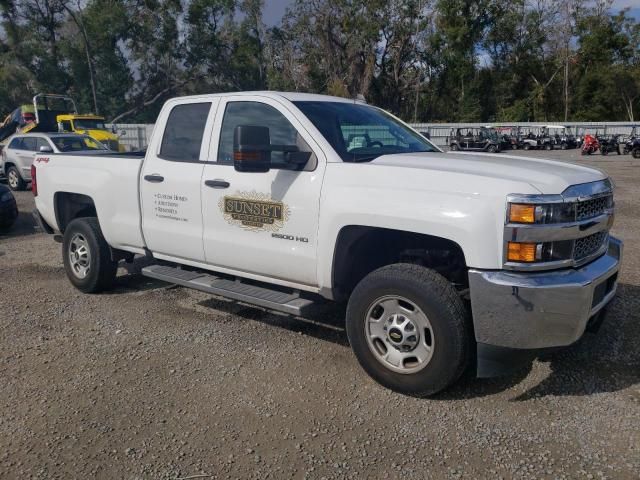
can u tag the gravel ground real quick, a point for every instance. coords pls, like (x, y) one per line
(156, 382)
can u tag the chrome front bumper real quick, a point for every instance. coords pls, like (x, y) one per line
(541, 309)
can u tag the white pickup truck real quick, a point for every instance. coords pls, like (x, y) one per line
(446, 260)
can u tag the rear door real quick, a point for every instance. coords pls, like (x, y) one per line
(170, 180)
(265, 224)
(23, 156)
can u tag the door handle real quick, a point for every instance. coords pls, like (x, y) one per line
(217, 183)
(155, 178)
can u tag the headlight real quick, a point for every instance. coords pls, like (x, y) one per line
(554, 231)
(529, 252)
(541, 214)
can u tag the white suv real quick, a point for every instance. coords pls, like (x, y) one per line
(17, 156)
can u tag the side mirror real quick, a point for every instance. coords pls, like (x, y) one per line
(46, 149)
(251, 148)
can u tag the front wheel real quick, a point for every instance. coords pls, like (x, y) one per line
(548, 146)
(604, 151)
(409, 329)
(492, 149)
(87, 257)
(635, 153)
(454, 147)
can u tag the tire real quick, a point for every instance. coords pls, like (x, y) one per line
(635, 153)
(564, 146)
(548, 146)
(514, 146)
(428, 294)
(454, 147)
(15, 181)
(604, 151)
(492, 149)
(526, 146)
(84, 233)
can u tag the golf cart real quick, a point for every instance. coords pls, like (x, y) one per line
(474, 139)
(557, 136)
(507, 136)
(528, 138)
(632, 144)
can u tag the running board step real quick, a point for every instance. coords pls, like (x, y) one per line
(290, 303)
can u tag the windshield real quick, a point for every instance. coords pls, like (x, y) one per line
(360, 133)
(76, 144)
(88, 124)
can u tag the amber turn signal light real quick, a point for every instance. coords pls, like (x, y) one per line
(522, 213)
(522, 252)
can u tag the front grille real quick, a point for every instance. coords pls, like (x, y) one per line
(589, 245)
(592, 208)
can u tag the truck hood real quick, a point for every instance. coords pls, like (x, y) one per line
(546, 176)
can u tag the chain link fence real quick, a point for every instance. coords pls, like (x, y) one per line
(136, 136)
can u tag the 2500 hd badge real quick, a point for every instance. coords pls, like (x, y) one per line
(282, 236)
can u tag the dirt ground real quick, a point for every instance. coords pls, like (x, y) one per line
(156, 382)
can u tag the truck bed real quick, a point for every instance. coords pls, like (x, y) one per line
(109, 180)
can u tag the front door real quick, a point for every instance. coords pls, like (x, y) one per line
(170, 181)
(262, 224)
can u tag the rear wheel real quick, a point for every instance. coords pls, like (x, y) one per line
(409, 330)
(492, 149)
(548, 146)
(527, 146)
(604, 151)
(635, 152)
(564, 146)
(454, 147)
(14, 179)
(87, 257)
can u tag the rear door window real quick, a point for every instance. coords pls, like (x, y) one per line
(29, 143)
(182, 138)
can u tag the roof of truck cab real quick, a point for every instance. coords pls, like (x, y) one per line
(291, 96)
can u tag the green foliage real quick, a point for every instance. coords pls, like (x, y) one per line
(436, 60)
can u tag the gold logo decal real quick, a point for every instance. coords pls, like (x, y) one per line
(254, 211)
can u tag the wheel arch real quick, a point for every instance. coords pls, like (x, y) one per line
(9, 164)
(68, 206)
(361, 249)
